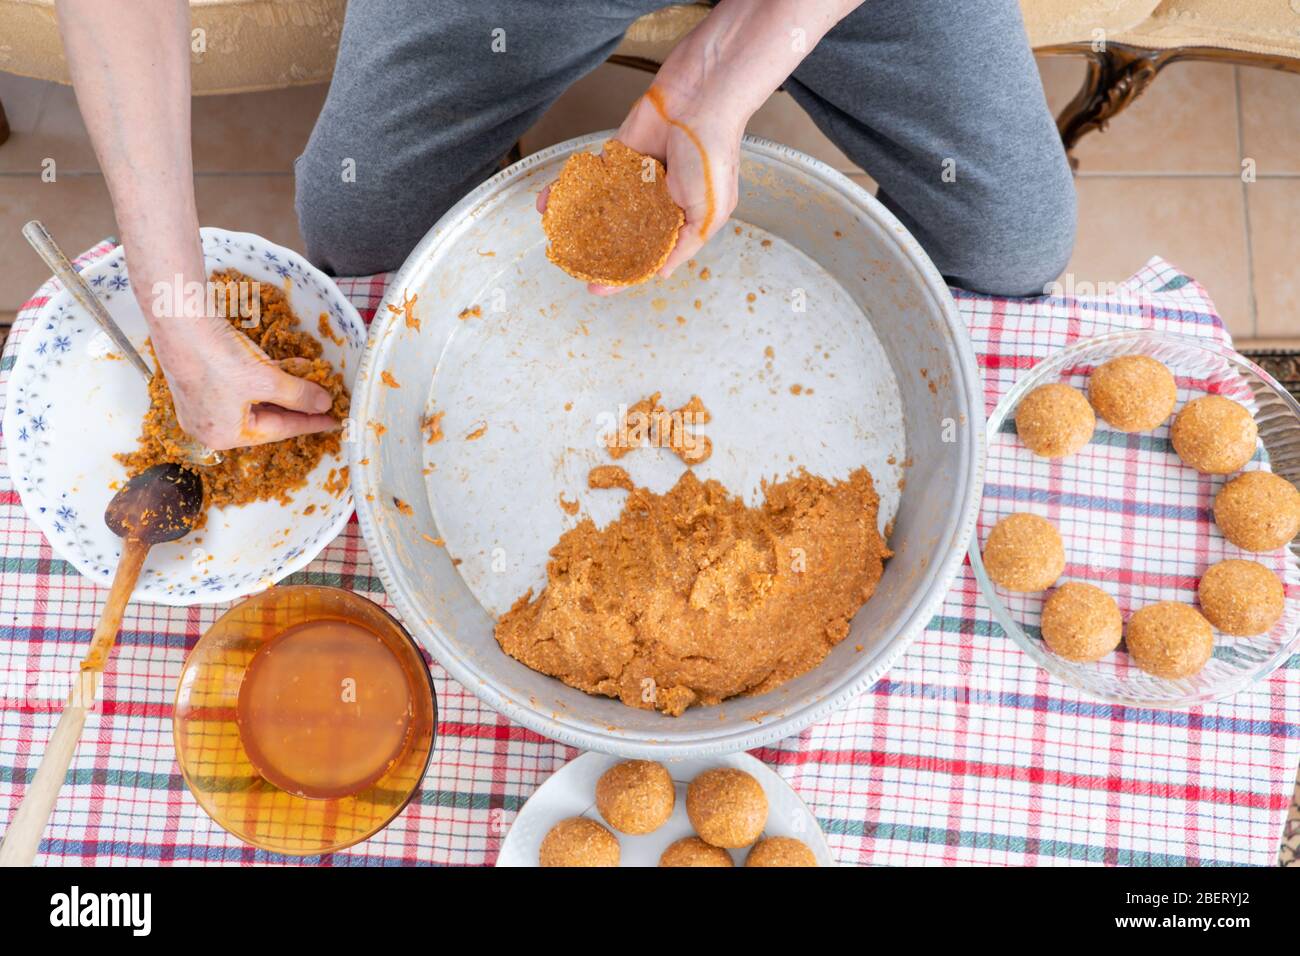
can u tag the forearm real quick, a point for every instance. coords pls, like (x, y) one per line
(745, 49)
(130, 67)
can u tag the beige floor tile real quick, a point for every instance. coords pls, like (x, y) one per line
(259, 204)
(602, 99)
(1062, 76)
(1270, 119)
(1186, 121)
(1274, 207)
(45, 123)
(246, 132)
(1198, 224)
(76, 210)
(254, 132)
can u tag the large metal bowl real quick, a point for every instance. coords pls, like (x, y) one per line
(460, 527)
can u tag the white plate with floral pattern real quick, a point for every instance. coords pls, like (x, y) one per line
(73, 404)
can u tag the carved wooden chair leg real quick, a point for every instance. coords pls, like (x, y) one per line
(1116, 77)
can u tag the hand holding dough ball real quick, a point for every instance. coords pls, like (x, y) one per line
(579, 842)
(1081, 622)
(1024, 553)
(781, 851)
(1258, 511)
(610, 219)
(1169, 640)
(1055, 420)
(1243, 598)
(1134, 393)
(727, 807)
(635, 796)
(692, 851)
(1214, 435)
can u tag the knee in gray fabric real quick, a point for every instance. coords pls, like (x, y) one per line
(357, 219)
(1018, 243)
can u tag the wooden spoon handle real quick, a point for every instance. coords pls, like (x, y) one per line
(23, 836)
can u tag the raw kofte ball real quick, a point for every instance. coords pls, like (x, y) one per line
(1258, 511)
(579, 842)
(1081, 622)
(781, 851)
(1055, 421)
(635, 796)
(1024, 553)
(727, 807)
(1241, 597)
(692, 851)
(1169, 640)
(1134, 393)
(1214, 435)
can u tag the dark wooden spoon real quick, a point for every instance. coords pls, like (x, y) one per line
(160, 504)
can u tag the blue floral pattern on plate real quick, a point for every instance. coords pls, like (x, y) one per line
(60, 454)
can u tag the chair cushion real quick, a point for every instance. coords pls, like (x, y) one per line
(1050, 22)
(1258, 26)
(249, 44)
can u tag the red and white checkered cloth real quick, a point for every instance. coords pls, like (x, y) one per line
(965, 752)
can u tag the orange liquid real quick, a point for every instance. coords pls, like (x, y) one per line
(656, 99)
(324, 709)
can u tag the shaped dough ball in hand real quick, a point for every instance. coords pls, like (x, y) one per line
(1169, 640)
(1258, 511)
(1055, 420)
(692, 851)
(727, 807)
(636, 796)
(1242, 598)
(1133, 393)
(1024, 553)
(1214, 435)
(578, 841)
(781, 851)
(1081, 622)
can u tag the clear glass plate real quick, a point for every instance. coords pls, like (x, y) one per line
(1136, 521)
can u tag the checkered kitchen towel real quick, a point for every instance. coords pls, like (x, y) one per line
(964, 753)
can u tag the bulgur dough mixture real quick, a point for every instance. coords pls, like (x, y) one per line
(692, 851)
(1169, 640)
(578, 841)
(609, 219)
(636, 796)
(1214, 435)
(648, 422)
(1024, 552)
(1081, 622)
(1258, 511)
(1241, 598)
(781, 851)
(1055, 420)
(727, 807)
(691, 597)
(1133, 393)
(260, 472)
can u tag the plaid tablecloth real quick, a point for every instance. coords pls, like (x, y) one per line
(964, 753)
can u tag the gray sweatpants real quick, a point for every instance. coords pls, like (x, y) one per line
(908, 89)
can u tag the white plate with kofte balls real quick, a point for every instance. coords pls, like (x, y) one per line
(725, 811)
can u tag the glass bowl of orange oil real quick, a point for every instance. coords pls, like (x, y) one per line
(304, 721)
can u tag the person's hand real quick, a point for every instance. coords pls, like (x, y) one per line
(699, 145)
(228, 394)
